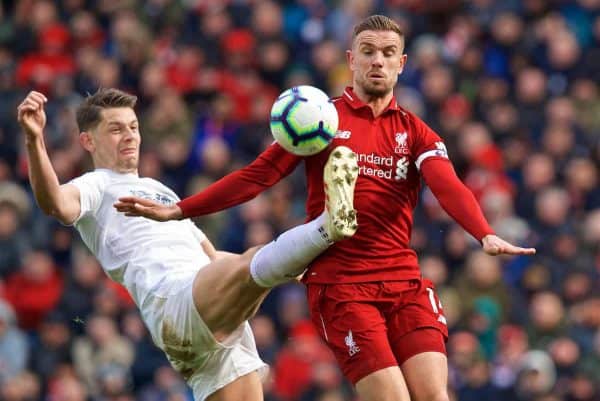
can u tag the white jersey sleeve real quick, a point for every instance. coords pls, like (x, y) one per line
(91, 189)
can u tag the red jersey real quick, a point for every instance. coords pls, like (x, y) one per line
(391, 149)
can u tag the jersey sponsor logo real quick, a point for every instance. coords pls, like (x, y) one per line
(351, 344)
(380, 163)
(343, 134)
(156, 197)
(385, 167)
(401, 143)
(401, 169)
(376, 159)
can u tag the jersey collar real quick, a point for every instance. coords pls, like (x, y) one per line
(350, 97)
(113, 172)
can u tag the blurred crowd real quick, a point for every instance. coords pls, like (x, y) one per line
(512, 86)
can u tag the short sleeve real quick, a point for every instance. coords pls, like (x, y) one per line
(91, 188)
(427, 143)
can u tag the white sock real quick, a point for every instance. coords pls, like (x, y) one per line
(287, 257)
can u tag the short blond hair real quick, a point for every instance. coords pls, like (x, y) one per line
(377, 23)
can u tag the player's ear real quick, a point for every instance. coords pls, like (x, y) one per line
(350, 59)
(86, 140)
(402, 63)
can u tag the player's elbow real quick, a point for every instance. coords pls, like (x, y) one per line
(47, 208)
(58, 214)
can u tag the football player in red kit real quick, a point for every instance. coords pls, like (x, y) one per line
(367, 298)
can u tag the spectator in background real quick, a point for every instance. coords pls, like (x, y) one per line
(15, 208)
(148, 358)
(53, 350)
(102, 347)
(14, 347)
(166, 382)
(68, 388)
(40, 67)
(12, 239)
(265, 336)
(547, 314)
(23, 387)
(35, 289)
(485, 298)
(302, 359)
(77, 298)
(167, 116)
(522, 70)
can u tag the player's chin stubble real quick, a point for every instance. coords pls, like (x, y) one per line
(376, 90)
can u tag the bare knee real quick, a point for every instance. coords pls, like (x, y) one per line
(384, 385)
(430, 392)
(427, 376)
(241, 264)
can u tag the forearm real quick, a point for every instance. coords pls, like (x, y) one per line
(42, 177)
(242, 185)
(455, 198)
(225, 193)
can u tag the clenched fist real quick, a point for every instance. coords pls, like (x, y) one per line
(31, 115)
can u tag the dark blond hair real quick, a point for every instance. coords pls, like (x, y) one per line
(377, 23)
(89, 113)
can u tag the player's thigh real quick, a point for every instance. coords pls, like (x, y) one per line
(225, 294)
(417, 323)
(418, 335)
(426, 375)
(245, 388)
(354, 330)
(387, 384)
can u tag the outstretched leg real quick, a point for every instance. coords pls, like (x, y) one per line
(230, 290)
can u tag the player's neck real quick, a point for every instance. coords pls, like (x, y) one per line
(118, 170)
(377, 103)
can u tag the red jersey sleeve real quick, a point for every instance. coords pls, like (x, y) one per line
(456, 199)
(431, 159)
(427, 143)
(242, 185)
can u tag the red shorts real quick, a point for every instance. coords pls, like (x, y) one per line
(371, 326)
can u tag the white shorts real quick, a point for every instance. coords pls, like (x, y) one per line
(206, 364)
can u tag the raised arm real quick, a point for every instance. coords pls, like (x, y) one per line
(60, 201)
(233, 189)
(458, 201)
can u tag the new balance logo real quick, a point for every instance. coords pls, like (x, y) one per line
(352, 347)
(401, 169)
(343, 134)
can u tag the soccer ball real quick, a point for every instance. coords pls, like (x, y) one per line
(303, 120)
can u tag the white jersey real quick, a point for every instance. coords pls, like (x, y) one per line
(139, 253)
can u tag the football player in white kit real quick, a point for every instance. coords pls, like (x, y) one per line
(194, 300)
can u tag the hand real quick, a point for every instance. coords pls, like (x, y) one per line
(135, 207)
(494, 245)
(31, 115)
